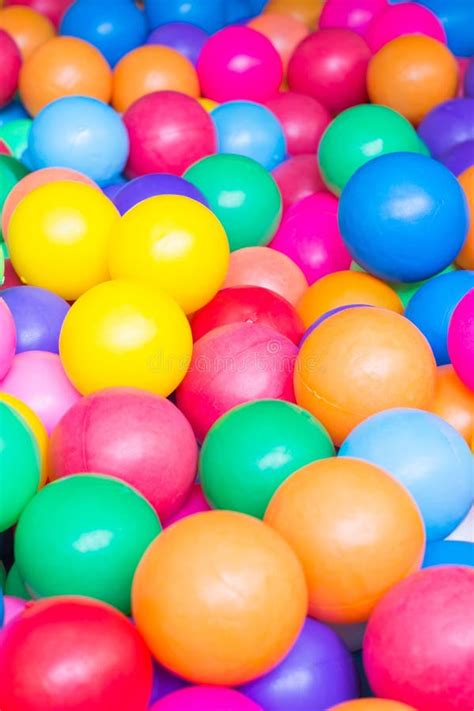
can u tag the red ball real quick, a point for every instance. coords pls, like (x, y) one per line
(249, 304)
(419, 643)
(140, 438)
(304, 121)
(76, 654)
(168, 132)
(297, 178)
(10, 63)
(234, 364)
(331, 66)
(52, 9)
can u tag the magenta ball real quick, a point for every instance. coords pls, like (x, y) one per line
(303, 118)
(355, 16)
(297, 178)
(408, 18)
(239, 63)
(14, 606)
(140, 438)
(38, 378)
(234, 364)
(309, 235)
(461, 339)
(205, 698)
(7, 339)
(195, 503)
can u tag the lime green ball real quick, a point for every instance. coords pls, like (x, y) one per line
(14, 585)
(360, 134)
(15, 135)
(242, 194)
(254, 448)
(84, 535)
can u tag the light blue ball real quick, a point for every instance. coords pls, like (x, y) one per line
(403, 217)
(249, 129)
(449, 553)
(210, 15)
(81, 133)
(427, 456)
(431, 308)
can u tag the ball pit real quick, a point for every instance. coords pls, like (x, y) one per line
(205, 698)
(303, 119)
(38, 315)
(52, 9)
(461, 339)
(10, 68)
(35, 425)
(284, 32)
(210, 16)
(457, 18)
(131, 193)
(447, 125)
(408, 18)
(298, 177)
(28, 28)
(357, 17)
(185, 38)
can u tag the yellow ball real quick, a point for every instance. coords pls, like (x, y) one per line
(125, 334)
(208, 104)
(59, 237)
(173, 242)
(35, 425)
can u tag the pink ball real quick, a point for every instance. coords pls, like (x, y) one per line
(195, 503)
(355, 16)
(409, 18)
(234, 364)
(140, 438)
(309, 235)
(38, 379)
(206, 698)
(331, 66)
(303, 118)
(461, 339)
(14, 606)
(7, 339)
(10, 65)
(297, 178)
(239, 63)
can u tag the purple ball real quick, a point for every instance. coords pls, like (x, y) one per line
(112, 190)
(318, 672)
(185, 38)
(325, 316)
(164, 683)
(460, 157)
(147, 186)
(38, 316)
(447, 125)
(469, 80)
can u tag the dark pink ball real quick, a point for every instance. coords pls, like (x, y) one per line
(141, 438)
(356, 16)
(303, 118)
(195, 503)
(10, 63)
(206, 698)
(297, 178)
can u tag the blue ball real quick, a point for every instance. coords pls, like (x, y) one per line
(81, 133)
(426, 455)
(403, 217)
(249, 129)
(115, 27)
(11, 112)
(449, 553)
(457, 18)
(431, 308)
(210, 15)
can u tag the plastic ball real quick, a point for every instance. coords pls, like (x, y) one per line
(126, 334)
(249, 129)
(151, 185)
(274, 439)
(400, 233)
(304, 120)
(14, 585)
(175, 243)
(248, 304)
(207, 104)
(168, 132)
(9, 337)
(357, 17)
(185, 38)
(469, 80)
(284, 32)
(14, 606)
(372, 705)
(115, 28)
(19, 465)
(52, 9)
(195, 503)
(164, 682)
(412, 74)
(38, 315)
(362, 361)
(205, 698)
(465, 258)
(306, 11)
(418, 648)
(15, 136)
(35, 425)
(461, 339)
(447, 125)
(459, 157)
(232, 365)
(238, 636)
(297, 178)
(11, 172)
(84, 535)
(408, 18)
(357, 136)
(140, 438)
(265, 267)
(152, 68)
(454, 402)
(449, 553)
(331, 66)
(210, 16)
(10, 67)
(111, 190)
(457, 18)
(59, 237)
(28, 28)
(91, 655)
(351, 497)
(309, 235)
(242, 195)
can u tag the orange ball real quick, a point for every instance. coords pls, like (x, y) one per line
(356, 531)
(64, 66)
(372, 705)
(307, 11)
(263, 266)
(152, 68)
(361, 361)
(28, 28)
(285, 32)
(219, 598)
(344, 288)
(454, 402)
(465, 257)
(412, 74)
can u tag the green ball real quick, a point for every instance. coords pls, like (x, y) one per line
(15, 135)
(3, 576)
(242, 194)
(11, 172)
(360, 134)
(14, 585)
(254, 448)
(19, 465)
(84, 535)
